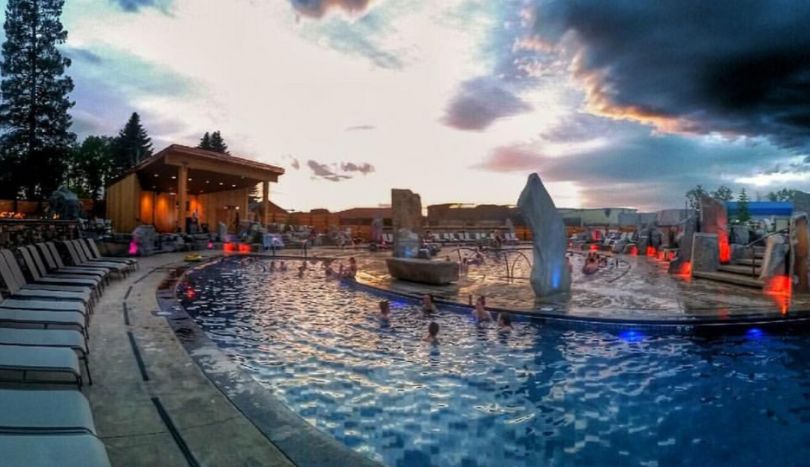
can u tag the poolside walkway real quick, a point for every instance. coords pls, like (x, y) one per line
(152, 404)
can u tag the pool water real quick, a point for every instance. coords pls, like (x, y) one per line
(538, 395)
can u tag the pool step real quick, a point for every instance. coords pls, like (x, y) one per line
(749, 261)
(730, 278)
(741, 269)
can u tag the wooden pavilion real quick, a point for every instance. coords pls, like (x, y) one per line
(180, 183)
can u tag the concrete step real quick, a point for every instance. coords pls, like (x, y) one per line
(730, 278)
(749, 261)
(741, 269)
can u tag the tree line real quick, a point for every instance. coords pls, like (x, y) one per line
(38, 150)
(724, 193)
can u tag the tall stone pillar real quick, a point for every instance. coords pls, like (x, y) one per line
(406, 213)
(714, 220)
(800, 242)
(182, 197)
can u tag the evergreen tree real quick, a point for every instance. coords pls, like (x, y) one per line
(218, 144)
(723, 193)
(205, 142)
(693, 196)
(131, 146)
(92, 166)
(34, 116)
(742, 207)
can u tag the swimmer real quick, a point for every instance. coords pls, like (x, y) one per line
(504, 322)
(428, 307)
(385, 311)
(480, 312)
(433, 332)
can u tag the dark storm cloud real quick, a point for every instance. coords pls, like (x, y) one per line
(636, 168)
(481, 101)
(317, 8)
(741, 67)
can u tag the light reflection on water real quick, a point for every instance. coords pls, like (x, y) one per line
(537, 396)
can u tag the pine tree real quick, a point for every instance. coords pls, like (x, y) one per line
(92, 165)
(34, 118)
(218, 144)
(131, 146)
(205, 142)
(742, 207)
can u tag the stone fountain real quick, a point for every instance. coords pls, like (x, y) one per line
(406, 214)
(550, 271)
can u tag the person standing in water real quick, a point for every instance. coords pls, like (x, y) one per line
(385, 312)
(433, 333)
(428, 307)
(504, 322)
(480, 313)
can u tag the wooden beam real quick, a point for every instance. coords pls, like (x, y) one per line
(266, 198)
(221, 167)
(182, 197)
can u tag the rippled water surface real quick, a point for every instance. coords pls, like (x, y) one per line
(535, 396)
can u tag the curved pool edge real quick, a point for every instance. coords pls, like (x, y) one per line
(685, 325)
(302, 443)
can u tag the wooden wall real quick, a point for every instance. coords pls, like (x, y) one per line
(160, 209)
(122, 203)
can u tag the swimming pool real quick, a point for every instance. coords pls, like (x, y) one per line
(539, 395)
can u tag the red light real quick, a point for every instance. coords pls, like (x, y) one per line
(228, 247)
(780, 289)
(633, 250)
(210, 245)
(190, 294)
(594, 247)
(244, 248)
(650, 251)
(725, 250)
(685, 269)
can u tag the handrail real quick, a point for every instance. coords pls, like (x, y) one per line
(761, 239)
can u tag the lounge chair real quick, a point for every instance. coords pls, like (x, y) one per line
(67, 338)
(50, 360)
(49, 278)
(52, 265)
(16, 290)
(102, 274)
(89, 258)
(62, 450)
(80, 259)
(95, 254)
(45, 412)
(45, 319)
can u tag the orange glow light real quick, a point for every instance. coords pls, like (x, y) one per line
(780, 289)
(244, 248)
(685, 269)
(650, 251)
(725, 250)
(228, 247)
(593, 247)
(633, 250)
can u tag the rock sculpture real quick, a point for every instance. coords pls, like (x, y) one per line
(65, 204)
(406, 213)
(550, 272)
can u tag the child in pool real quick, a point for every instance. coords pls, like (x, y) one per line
(433, 332)
(428, 307)
(504, 322)
(480, 313)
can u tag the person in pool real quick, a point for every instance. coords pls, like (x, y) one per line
(385, 312)
(433, 333)
(272, 266)
(480, 313)
(504, 322)
(350, 271)
(428, 307)
(282, 267)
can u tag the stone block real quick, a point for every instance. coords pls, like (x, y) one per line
(773, 262)
(423, 271)
(705, 252)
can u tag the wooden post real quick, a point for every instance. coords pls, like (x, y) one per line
(182, 196)
(266, 200)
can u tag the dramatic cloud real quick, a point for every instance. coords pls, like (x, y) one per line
(133, 6)
(335, 173)
(317, 8)
(481, 101)
(361, 128)
(364, 167)
(734, 67)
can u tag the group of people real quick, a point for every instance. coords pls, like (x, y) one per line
(429, 310)
(347, 272)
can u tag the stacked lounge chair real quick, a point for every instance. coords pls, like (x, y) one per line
(44, 316)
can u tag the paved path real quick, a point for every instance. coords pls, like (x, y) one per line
(164, 412)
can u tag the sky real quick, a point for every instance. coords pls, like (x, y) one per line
(620, 103)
